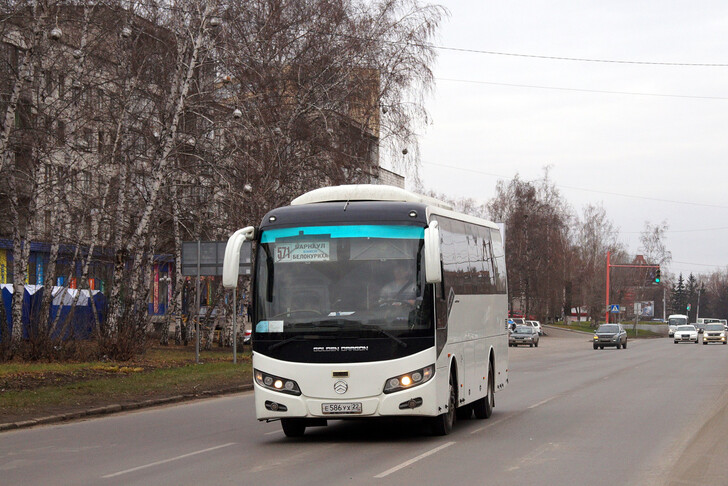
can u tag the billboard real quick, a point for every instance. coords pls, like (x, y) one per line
(645, 309)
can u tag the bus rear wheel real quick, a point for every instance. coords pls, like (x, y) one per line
(442, 424)
(293, 427)
(483, 408)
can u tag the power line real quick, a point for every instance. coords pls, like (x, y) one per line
(574, 59)
(429, 45)
(680, 231)
(583, 90)
(633, 196)
(699, 264)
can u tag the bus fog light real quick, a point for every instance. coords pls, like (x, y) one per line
(411, 403)
(275, 407)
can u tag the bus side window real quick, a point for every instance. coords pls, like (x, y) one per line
(499, 262)
(487, 252)
(446, 248)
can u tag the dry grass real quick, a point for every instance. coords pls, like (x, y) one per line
(29, 390)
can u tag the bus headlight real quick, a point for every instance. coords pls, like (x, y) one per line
(276, 383)
(408, 380)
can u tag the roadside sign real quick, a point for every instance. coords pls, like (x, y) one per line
(212, 255)
(614, 308)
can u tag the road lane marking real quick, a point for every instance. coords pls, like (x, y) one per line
(542, 402)
(491, 424)
(514, 414)
(274, 432)
(413, 460)
(183, 456)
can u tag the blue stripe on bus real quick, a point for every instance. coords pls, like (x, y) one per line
(347, 231)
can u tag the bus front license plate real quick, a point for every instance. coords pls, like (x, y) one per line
(354, 407)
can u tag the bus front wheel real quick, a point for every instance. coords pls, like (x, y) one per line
(293, 427)
(442, 424)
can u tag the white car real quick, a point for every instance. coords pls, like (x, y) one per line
(687, 333)
(537, 326)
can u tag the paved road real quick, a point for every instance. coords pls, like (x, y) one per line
(571, 415)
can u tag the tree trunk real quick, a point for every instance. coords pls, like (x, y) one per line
(159, 168)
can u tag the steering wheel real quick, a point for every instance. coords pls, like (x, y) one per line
(394, 303)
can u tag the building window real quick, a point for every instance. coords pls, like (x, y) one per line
(60, 133)
(61, 85)
(88, 139)
(86, 180)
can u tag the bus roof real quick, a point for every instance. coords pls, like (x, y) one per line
(365, 192)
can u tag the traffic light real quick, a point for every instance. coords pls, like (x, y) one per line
(657, 276)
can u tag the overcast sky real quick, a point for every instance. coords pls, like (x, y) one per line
(497, 115)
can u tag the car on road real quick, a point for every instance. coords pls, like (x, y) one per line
(686, 334)
(537, 326)
(523, 335)
(675, 320)
(714, 333)
(610, 335)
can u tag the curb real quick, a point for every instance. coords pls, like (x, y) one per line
(567, 330)
(656, 336)
(116, 408)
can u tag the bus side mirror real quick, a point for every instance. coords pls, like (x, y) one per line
(231, 262)
(433, 270)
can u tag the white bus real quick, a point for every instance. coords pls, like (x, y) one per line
(674, 320)
(372, 301)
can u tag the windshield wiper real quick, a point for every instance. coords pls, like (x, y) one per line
(337, 324)
(384, 332)
(300, 337)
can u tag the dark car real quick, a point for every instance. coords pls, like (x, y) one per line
(523, 335)
(610, 335)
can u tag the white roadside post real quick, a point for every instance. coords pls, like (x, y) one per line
(230, 268)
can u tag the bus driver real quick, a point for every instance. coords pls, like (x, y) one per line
(403, 288)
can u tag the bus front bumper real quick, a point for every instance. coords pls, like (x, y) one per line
(417, 401)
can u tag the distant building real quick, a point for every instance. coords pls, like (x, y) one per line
(386, 177)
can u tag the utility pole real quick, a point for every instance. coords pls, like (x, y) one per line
(697, 311)
(609, 254)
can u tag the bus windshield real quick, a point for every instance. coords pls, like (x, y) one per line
(676, 321)
(342, 281)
